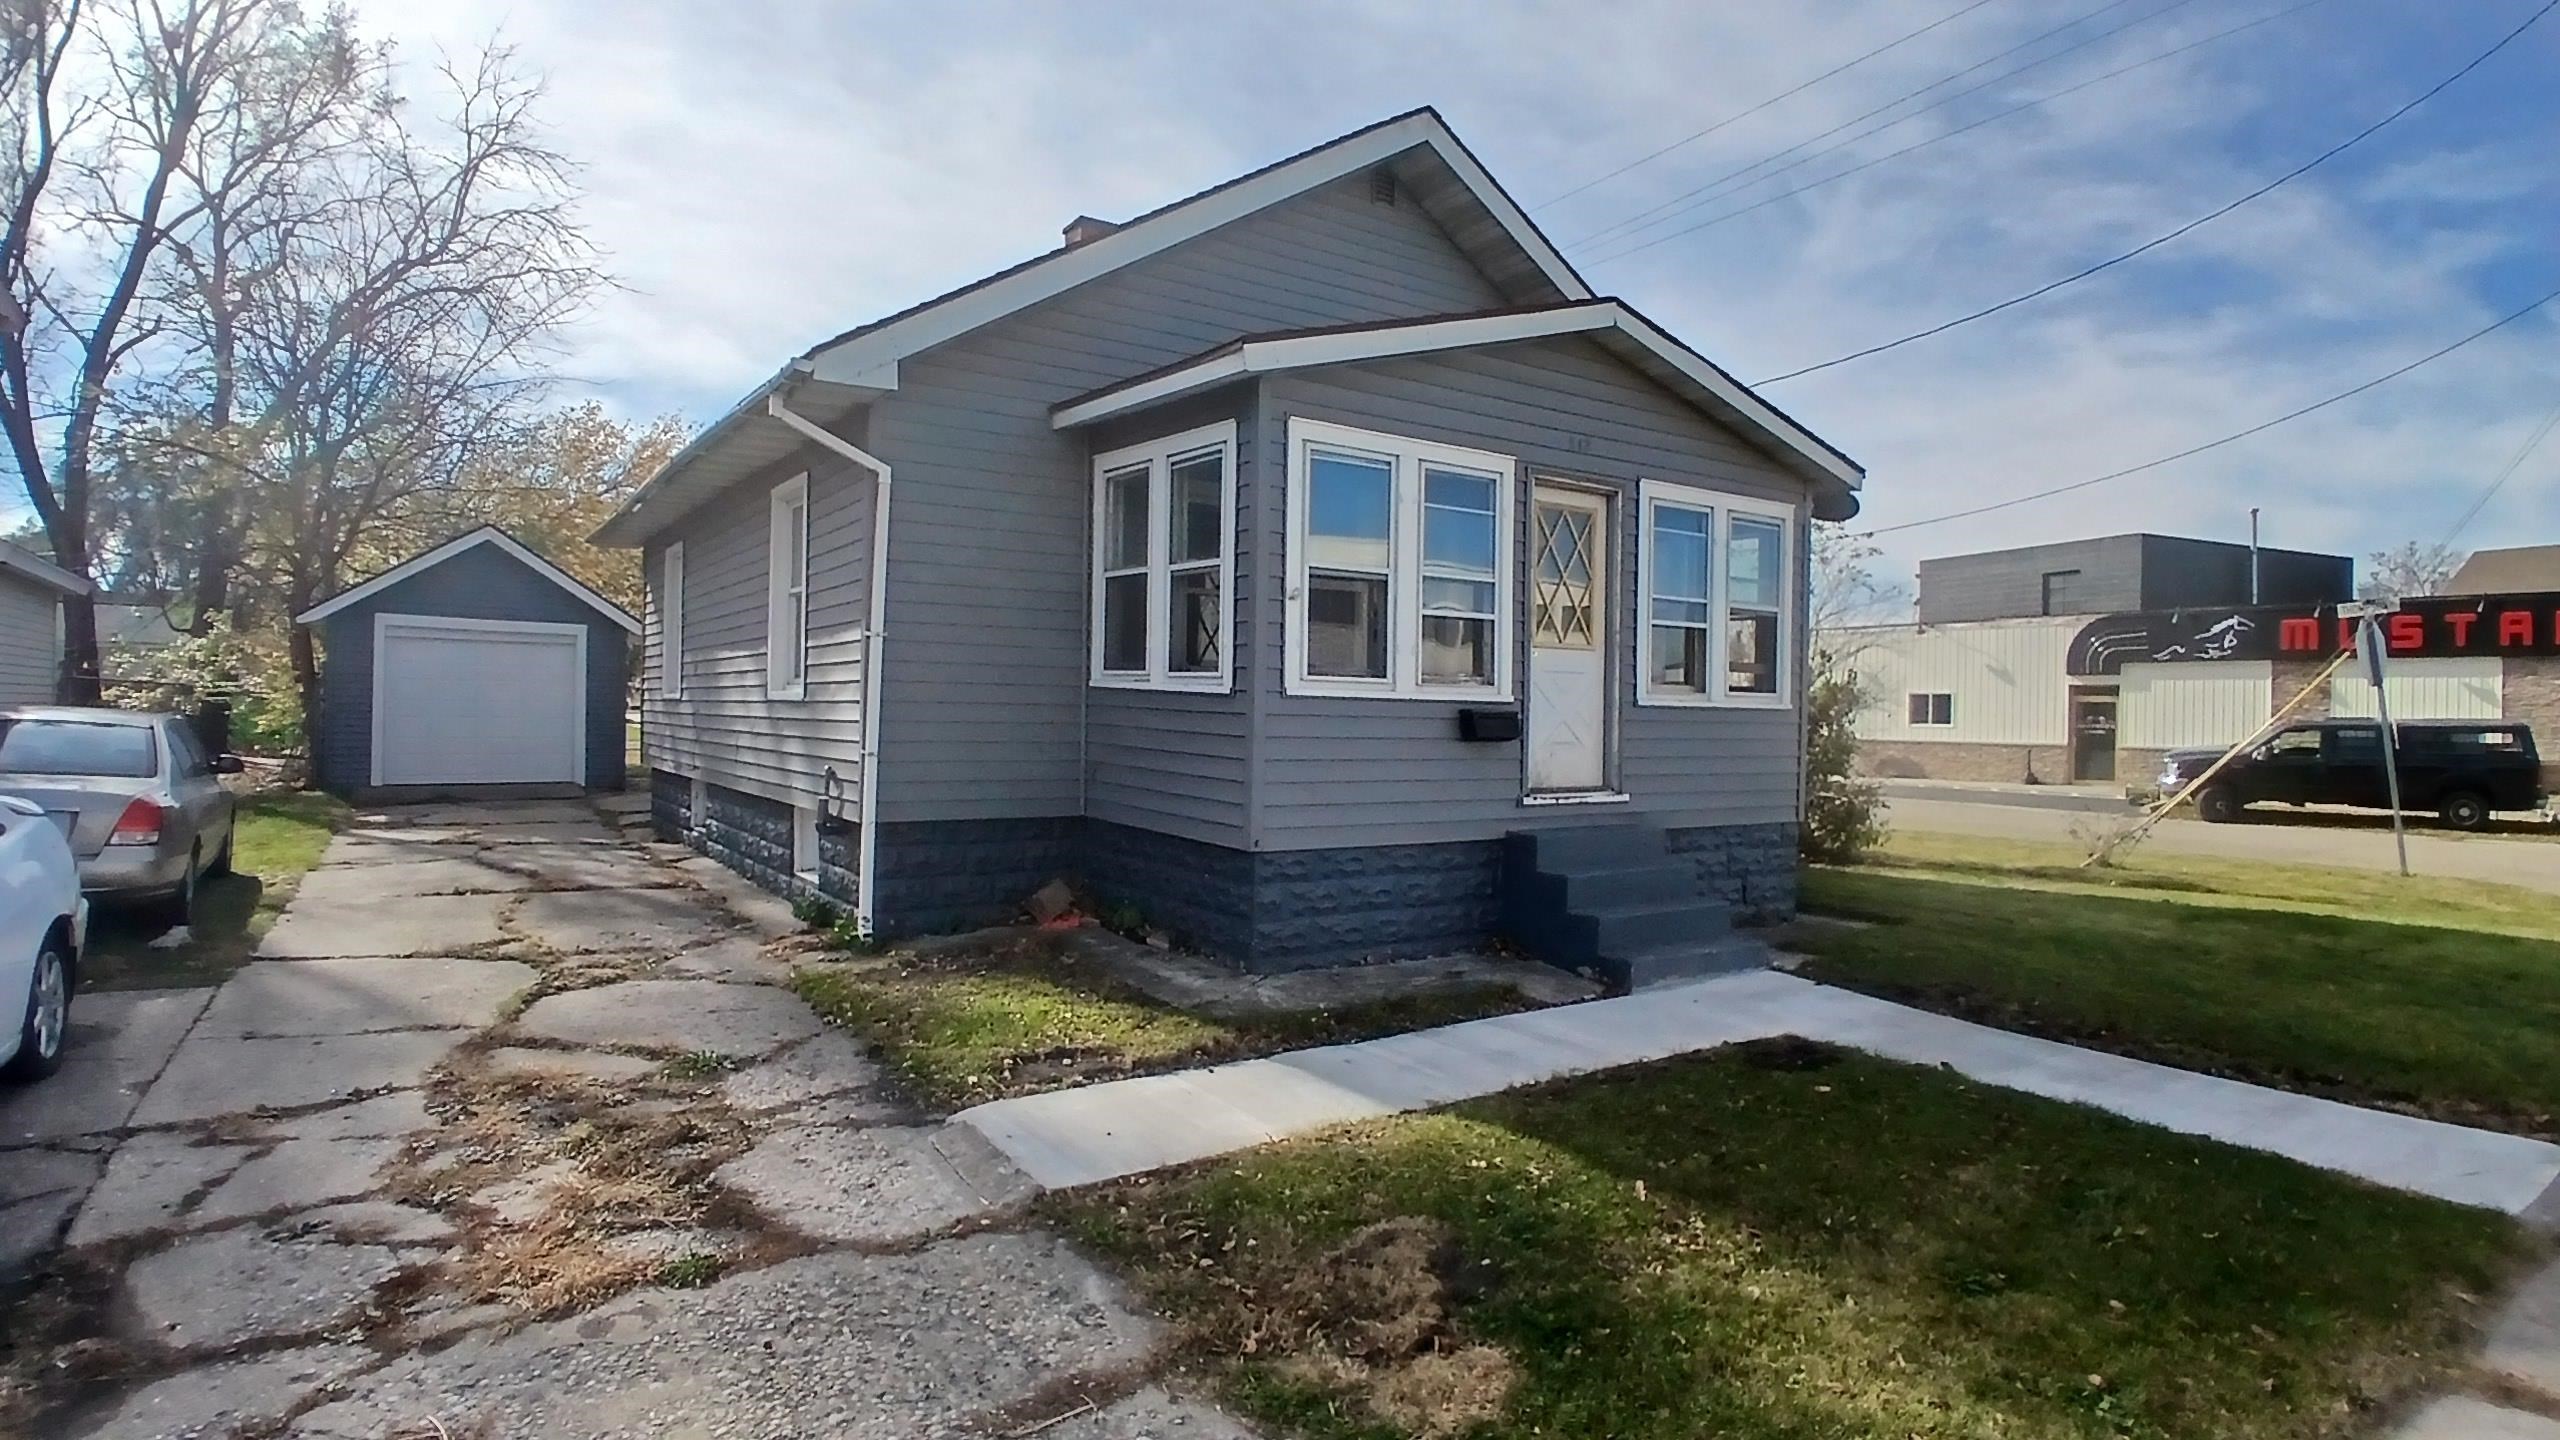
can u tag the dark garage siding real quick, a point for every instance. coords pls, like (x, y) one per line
(481, 583)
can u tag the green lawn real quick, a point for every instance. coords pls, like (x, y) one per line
(282, 833)
(2440, 996)
(1027, 1016)
(1781, 1240)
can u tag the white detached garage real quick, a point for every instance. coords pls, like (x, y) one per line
(477, 668)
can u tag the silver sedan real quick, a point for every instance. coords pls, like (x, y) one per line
(136, 794)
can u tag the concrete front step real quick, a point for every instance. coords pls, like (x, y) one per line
(1672, 964)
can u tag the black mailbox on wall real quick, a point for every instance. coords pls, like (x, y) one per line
(1488, 724)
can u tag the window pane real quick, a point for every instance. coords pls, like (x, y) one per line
(1457, 489)
(1691, 612)
(1751, 654)
(1751, 569)
(1347, 626)
(796, 566)
(1919, 710)
(1458, 540)
(70, 747)
(1680, 552)
(1199, 509)
(1456, 651)
(1942, 709)
(1124, 521)
(1349, 504)
(1124, 622)
(1680, 659)
(1198, 622)
(1463, 597)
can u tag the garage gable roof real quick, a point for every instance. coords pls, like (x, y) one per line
(485, 535)
(18, 561)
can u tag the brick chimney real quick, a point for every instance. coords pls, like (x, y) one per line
(1084, 230)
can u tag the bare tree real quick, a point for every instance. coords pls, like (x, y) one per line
(2410, 568)
(104, 110)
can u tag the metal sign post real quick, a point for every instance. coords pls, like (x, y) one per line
(2369, 640)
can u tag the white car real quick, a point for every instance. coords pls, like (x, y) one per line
(43, 923)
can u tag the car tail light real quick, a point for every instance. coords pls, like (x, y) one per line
(139, 824)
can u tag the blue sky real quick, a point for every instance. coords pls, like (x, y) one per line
(763, 173)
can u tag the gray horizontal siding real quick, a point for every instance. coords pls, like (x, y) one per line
(481, 583)
(1338, 772)
(724, 728)
(30, 641)
(987, 710)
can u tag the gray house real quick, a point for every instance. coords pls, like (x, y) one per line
(473, 668)
(1315, 563)
(31, 594)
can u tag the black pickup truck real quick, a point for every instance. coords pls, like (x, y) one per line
(2461, 771)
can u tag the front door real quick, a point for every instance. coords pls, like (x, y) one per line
(1568, 721)
(2093, 737)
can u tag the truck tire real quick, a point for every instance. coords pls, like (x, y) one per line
(2218, 805)
(2463, 810)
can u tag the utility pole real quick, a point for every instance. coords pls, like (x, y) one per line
(2253, 555)
(2369, 640)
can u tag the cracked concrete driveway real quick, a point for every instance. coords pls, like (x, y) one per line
(512, 1128)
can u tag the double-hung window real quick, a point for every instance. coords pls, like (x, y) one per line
(1400, 569)
(786, 655)
(1164, 523)
(671, 622)
(1714, 575)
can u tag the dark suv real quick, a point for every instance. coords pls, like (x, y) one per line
(2462, 770)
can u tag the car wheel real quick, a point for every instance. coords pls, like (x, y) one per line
(2464, 811)
(47, 1026)
(178, 907)
(222, 858)
(2218, 805)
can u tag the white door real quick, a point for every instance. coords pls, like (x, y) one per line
(478, 702)
(1568, 719)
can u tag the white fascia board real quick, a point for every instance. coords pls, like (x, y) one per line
(1751, 407)
(623, 527)
(1096, 258)
(42, 571)
(1299, 352)
(485, 535)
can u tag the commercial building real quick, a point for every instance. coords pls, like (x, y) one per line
(2084, 662)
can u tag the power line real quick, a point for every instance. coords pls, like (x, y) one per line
(2155, 243)
(1697, 135)
(1865, 165)
(2236, 436)
(2532, 442)
(1652, 214)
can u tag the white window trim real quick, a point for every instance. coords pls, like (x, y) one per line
(1404, 578)
(1158, 456)
(781, 684)
(671, 622)
(1722, 507)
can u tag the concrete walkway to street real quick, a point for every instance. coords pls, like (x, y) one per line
(2533, 864)
(1126, 1127)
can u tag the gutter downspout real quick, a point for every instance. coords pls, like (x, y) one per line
(876, 641)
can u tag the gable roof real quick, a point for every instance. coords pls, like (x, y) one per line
(841, 374)
(26, 563)
(2516, 570)
(424, 561)
(1618, 326)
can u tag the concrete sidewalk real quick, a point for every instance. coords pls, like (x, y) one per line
(1101, 1132)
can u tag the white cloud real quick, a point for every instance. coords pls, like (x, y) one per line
(764, 173)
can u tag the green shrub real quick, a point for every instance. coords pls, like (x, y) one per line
(1843, 812)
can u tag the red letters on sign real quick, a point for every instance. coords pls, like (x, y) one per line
(2515, 627)
(2408, 632)
(2296, 632)
(2459, 621)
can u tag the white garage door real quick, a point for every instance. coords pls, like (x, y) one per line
(478, 702)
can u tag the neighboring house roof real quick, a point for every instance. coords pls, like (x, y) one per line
(42, 571)
(2517, 570)
(428, 560)
(1616, 325)
(831, 380)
